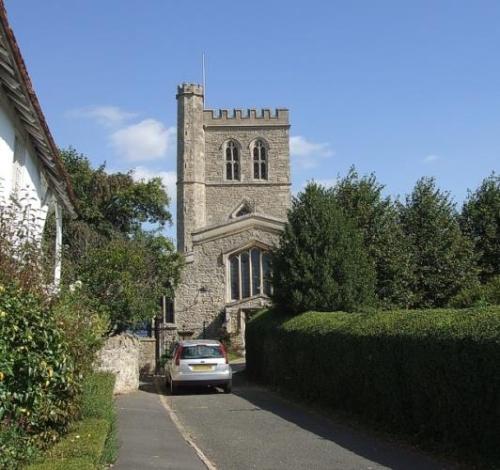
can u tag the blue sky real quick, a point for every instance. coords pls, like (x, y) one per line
(404, 89)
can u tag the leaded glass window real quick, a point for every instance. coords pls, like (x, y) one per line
(232, 161)
(259, 161)
(249, 273)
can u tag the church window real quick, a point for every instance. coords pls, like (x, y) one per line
(232, 161)
(259, 160)
(249, 274)
(235, 277)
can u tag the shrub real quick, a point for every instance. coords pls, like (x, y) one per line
(15, 446)
(38, 383)
(91, 441)
(430, 374)
(321, 262)
(83, 324)
(97, 402)
(478, 294)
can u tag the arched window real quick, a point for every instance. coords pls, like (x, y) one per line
(249, 274)
(232, 161)
(259, 160)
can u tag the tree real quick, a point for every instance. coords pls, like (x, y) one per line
(480, 219)
(114, 202)
(129, 276)
(377, 218)
(125, 267)
(321, 263)
(441, 256)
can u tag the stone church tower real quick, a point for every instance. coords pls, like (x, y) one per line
(233, 193)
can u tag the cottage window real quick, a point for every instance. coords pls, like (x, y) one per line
(249, 274)
(232, 161)
(259, 160)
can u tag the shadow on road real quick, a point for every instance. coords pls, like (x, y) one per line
(357, 441)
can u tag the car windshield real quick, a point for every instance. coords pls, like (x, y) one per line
(201, 351)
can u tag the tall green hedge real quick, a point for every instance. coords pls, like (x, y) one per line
(430, 374)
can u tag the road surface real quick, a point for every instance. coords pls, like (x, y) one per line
(254, 428)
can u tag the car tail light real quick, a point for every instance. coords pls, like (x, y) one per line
(178, 356)
(223, 349)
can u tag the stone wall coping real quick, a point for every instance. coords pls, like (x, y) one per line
(254, 220)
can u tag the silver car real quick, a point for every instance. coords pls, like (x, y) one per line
(199, 362)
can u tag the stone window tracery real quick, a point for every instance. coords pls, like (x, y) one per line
(249, 272)
(232, 161)
(259, 152)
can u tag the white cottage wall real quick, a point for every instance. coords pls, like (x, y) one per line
(25, 174)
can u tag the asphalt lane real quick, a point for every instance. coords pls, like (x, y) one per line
(254, 428)
(148, 438)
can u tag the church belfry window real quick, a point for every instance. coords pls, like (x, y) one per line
(259, 152)
(232, 161)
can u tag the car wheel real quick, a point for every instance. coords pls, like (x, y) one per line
(228, 387)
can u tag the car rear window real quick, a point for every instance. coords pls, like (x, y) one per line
(201, 351)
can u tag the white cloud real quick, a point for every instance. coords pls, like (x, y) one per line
(308, 153)
(169, 178)
(109, 116)
(146, 140)
(431, 158)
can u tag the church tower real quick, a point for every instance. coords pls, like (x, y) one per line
(233, 194)
(190, 164)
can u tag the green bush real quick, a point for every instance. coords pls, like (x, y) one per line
(478, 294)
(92, 441)
(97, 396)
(431, 374)
(38, 381)
(97, 402)
(15, 446)
(83, 324)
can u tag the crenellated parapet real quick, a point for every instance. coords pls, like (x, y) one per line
(245, 117)
(189, 89)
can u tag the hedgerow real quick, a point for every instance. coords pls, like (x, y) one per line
(433, 375)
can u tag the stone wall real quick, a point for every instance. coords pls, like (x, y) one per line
(147, 356)
(120, 355)
(202, 294)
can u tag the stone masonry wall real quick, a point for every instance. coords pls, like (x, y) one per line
(202, 293)
(271, 196)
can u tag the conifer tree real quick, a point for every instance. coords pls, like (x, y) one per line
(376, 217)
(480, 220)
(441, 256)
(321, 263)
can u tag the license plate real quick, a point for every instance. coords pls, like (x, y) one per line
(201, 367)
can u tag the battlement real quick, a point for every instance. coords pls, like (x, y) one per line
(245, 117)
(189, 89)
